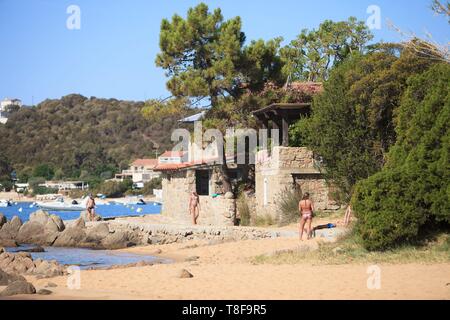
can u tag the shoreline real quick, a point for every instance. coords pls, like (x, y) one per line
(224, 271)
(227, 270)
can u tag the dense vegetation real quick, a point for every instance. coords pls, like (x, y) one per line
(381, 124)
(206, 59)
(79, 137)
(352, 123)
(411, 193)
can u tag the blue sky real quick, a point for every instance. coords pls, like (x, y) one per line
(112, 55)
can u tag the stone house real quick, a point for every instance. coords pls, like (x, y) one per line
(276, 169)
(204, 177)
(140, 172)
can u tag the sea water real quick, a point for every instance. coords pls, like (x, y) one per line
(24, 209)
(88, 258)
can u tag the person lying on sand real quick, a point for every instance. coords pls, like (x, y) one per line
(194, 206)
(306, 208)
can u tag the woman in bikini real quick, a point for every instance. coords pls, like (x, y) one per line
(306, 208)
(194, 206)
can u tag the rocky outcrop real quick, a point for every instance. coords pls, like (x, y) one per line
(2, 220)
(41, 228)
(7, 278)
(18, 287)
(23, 263)
(11, 228)
(8, 243)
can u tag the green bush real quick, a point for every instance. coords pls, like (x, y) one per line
(411, 193)
(44, 190)
(288, 206)
(113, 189)
(387, 209)
(6, 185)
(155, 183)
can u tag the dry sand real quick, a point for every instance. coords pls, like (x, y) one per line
(223, 271)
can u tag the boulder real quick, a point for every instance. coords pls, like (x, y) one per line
(116, 240)
(7, 278)
(97, 233)
(19, 263)
(35, 249)
(18, 287)
(58, 221)
(44, 292)
(79, 223)
(41, 228)
(71, 237)
(40, 217)
(184, 274)
(51, 285)
(3, 220)
(10, 229)
(49, 269)
(2, 250)
(31, 232)
(11, 243)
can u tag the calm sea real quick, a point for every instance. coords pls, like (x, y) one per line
(24, 209)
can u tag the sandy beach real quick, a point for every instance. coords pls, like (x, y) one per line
(225, 271)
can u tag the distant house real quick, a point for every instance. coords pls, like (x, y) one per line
(9, 102)
(3, 117)
(65, 185)
(140, 172)
(4, 104)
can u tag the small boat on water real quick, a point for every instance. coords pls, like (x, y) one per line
(130, 202)
(5, 203)
(60, 205)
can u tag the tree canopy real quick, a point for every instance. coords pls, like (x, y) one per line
(79, 137)
(352, 125)
(411, 193)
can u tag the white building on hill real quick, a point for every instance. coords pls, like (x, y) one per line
(9, 102)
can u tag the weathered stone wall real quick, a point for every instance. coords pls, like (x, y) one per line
(274, 173)
(146, 233)
(217, 211)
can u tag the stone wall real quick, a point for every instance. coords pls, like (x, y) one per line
(177, 187)
(146, 233)
(274, 174)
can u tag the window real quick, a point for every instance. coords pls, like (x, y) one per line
(202, 182)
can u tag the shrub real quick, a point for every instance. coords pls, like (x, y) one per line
(288, 205)
(411, 193)
(44, 190)
(244, 210)
(387, 209)
(113, 189)
(7, 185)
(155, 183)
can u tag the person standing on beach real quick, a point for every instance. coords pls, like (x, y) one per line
(194, 206)
(306, 208)
(90, 207)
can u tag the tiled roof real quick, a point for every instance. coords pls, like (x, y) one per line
(145, 163)
(173, 154)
